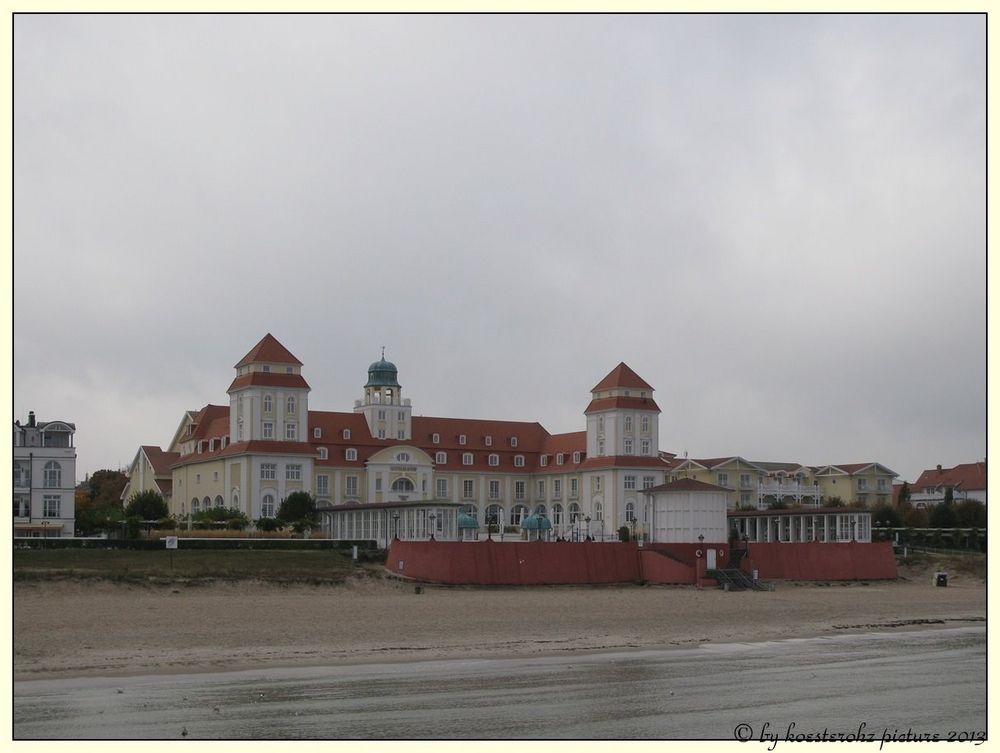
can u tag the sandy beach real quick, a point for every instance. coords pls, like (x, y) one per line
(107, 629)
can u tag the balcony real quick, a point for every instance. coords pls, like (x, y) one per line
(798, 492)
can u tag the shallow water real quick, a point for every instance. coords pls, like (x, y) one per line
(927, 682)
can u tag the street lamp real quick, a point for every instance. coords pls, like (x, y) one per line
(602, 528)
(395, 525)
(701, 539)
(852, 529)
(587, 521)
(45, 532)
(433, 517)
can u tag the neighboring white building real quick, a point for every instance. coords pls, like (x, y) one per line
(44, 478)
(966, 481)
(686, 509)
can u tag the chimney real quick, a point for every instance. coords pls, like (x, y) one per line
(31, 418)
(939, 468)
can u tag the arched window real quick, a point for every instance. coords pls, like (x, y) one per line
(539, 509)
(519, 461)
(628, 423)
(598, 511)
(290, 405)
(267, 404)
(219, 501)
(207, 503)
(267, 506)
(52, 477)
(402, 457)
(517, 514)
(629, 511)
(402, 484)
(440, 458)
(574, 513)
(195, 506)
(471, 510)
(236, 499)
(351, 453)
(494, 515)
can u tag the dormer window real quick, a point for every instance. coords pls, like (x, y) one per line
(441, 458)
(543, 460)
(494, 459)
(576, 457)
(347, 433)
(200, 446)
(513, 441)
(351, 453)
(323, 453)
(461, 439)
(317, 433)
(288, 369)
(519, 461)
(211, 445)
(266, 369)
(466, 458)
(436, 438)
(489, 440)
(559, 459)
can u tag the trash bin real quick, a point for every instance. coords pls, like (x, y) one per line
(941, 579)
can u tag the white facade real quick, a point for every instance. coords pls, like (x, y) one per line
(44, 478)
(684, 513)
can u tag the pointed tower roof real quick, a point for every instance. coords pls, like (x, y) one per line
(621, 376)
(268, 350)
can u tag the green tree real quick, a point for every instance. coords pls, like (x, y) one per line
(105, 487)
(943, 516)
(949, 496)
(971, 513)
(623, 534)
(833, 502)
(146, 505)
(904, 494)
(887, 515)
(298, 510)
(915, 517)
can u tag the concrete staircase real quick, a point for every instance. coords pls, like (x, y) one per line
(733, 579)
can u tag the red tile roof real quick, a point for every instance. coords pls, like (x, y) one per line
(268, 379)
(621, 376)
(160, 460)
(687, 485)
(625, 461)
(612, 403)
(210, 422)
(965, 476)
(268, 350)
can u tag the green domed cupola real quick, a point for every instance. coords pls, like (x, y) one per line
(382, 373)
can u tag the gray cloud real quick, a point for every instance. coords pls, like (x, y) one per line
(778, 221)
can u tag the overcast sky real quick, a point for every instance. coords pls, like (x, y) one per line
(777, 221)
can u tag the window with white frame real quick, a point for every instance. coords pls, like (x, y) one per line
(862, 484)
(488, 440)
(442, 488)
(466, 458)
(644, 424)
(267, 431)
(513, 441)
(574, 487)
(291, 431)
(381, 415)
(600, 446)
(556, 488)
(600, 423)
(745, 480)
(211, 444)
(293, 472)
(628, 423)
(317, 432)
(597, 483)
(402, 457)
(22, 509)
(540, 489)
(351, 454)
(519, 461)
(215, 475)
(557, 515)
(559, 459)
(576, 457)
(400, 433)
(881, 484)
(290, 405)
(630, 482)
(267, 506)
(628, 446)
(723, 479)
(268, 472)
(21, 475)
(440, 458)
(468, 488)
(543, 460)
(648, 482)
(744, 498)
(494, 459)
(519, 490)
(51, 506)
(324, 453)
(399, 415)
(268, 406)
(351, 486)
(52, 475)
(630, 511)
(494, 489)
(347, 434)
(644, 445)
(239, 430)
(266, 368)
(461, 439)
(574, 513)
(598, 511)
(381, 433)
(435, 438)
(197, 478)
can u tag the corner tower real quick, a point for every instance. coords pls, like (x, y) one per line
(622, 418)
(387, 413)
(269, 399)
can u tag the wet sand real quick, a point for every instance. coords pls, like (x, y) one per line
(81, 628)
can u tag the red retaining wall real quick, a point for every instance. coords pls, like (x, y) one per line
(817, 561)
(659, 569)
(515, 564)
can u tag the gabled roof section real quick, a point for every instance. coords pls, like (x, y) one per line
(964, 476)
(852, 469)
(713, 463)
(621, 376)
(160, 460)
(268, 350)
